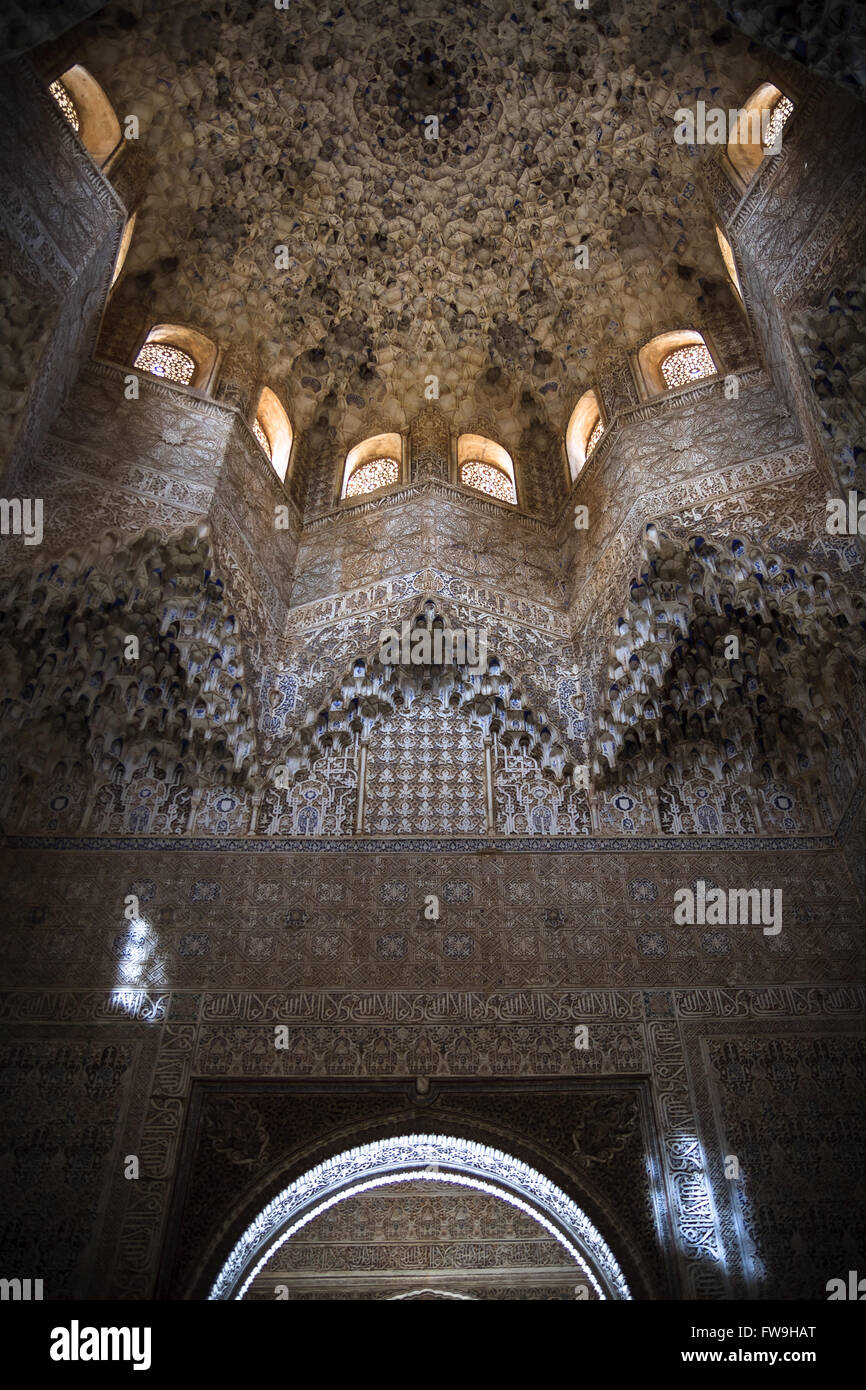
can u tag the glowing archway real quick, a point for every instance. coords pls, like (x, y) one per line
(758, 129)
(88, 111)
(424, 1157)
(373, 464)
(585, 428)
(485, 466)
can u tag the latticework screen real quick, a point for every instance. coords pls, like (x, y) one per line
(373, 474)
(687, 364)
(485, 478)
(161, 359)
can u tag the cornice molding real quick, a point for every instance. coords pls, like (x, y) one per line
(407, 492)
(388, 844)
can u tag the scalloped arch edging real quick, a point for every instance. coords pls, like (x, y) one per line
(389, 1161)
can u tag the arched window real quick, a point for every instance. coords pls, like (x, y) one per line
(486, 467)
(179, 354)
(757, 130)
(728, 258)
(675, 359)
(273, 431)
(372, 465)
(585, 429)
(88, 111)
(125, 243)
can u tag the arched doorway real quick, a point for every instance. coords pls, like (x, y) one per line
(439, 1159)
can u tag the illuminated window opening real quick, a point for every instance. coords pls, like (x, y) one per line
(674, 360)
(486, 477)
(372, 465)
(66, 104)
(597, 432)
(485, 466)
(585, 429)
(372, 475)
(273, 430)
(262, 437)
(686, 365)
(776, 124)
(161, 359)
(178, 354)
(125, 243)
(728, 258)
(88, 111)
(761, 121)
